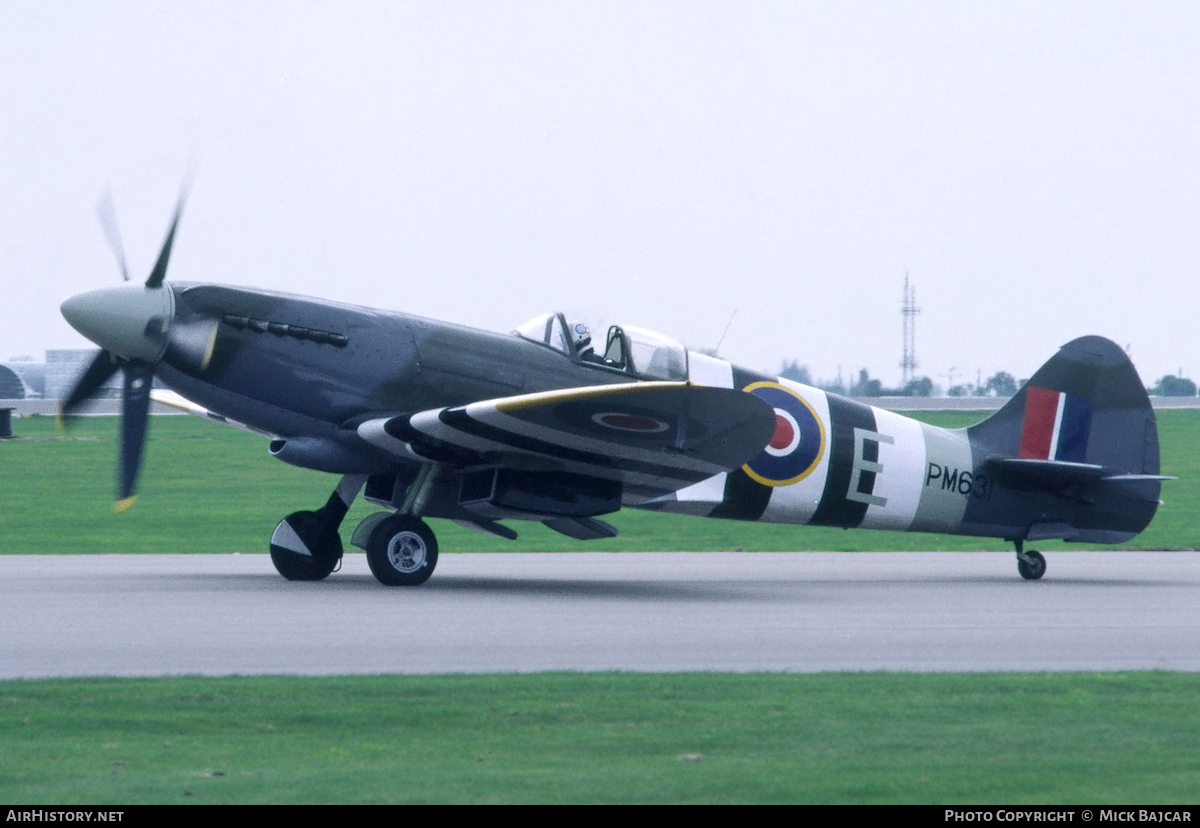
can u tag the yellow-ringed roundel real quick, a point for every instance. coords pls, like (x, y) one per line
(798, 443)
(635, 423)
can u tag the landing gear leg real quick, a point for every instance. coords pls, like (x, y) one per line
(305, 546)
(1031, 564)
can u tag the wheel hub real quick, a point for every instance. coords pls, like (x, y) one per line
(406, 552)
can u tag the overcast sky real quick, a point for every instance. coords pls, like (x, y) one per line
(1033, 167)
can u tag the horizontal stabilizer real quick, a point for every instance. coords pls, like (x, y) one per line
(1039, 474)
(1059, 476)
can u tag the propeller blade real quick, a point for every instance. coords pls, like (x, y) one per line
(164, 256)
(105, 315)
(103, 366)
(135, 416)
(107, 213)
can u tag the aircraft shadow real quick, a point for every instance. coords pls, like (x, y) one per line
(606, 590)
(682, 590)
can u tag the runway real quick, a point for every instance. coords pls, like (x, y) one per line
(134, 615)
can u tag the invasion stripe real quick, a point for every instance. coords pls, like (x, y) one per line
(836, 509)
(610, 448)
(459, 420)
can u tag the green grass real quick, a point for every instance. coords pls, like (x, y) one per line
(828, 738)
(210, 488)
(841, 738)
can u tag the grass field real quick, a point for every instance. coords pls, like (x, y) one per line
(841, 738)
(210, 488)
(1008, 739)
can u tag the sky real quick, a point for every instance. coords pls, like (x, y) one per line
(1034, 168)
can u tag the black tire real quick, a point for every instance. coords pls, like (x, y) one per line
(325, 545)
(1033, 568)
(402, 551)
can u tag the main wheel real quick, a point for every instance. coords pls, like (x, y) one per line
(302, 532)
(402, 551)
(1032, 566)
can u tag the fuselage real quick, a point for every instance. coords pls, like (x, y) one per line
(833, 462)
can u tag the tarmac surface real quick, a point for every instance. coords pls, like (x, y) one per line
(133, 615)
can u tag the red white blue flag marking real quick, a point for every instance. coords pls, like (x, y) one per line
(1056, 426)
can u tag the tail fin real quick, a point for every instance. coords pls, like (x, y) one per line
(1086, 405)
(1081, 431)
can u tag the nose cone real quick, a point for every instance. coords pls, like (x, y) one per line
(129, 320)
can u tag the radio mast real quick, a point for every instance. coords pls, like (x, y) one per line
(908, 312)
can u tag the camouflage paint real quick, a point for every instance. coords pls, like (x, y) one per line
(411, 391)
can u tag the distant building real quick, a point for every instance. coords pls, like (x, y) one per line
(64, 367)
(53, 379)
(22, 380)
(11, 385)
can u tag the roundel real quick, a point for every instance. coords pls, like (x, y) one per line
(798, 442)
(623, 421)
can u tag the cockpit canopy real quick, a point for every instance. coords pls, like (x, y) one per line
(638, 351)
(548, 329)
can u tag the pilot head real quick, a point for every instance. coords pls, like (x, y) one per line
(581, 337)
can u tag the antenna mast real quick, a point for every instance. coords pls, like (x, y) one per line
(717, 349)
(908, 312)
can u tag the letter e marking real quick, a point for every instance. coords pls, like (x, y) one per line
(862, 465)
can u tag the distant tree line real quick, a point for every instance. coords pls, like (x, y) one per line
(1172, 386)
(999, 384)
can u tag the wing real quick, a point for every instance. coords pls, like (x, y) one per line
(652, 437)
(182, 403)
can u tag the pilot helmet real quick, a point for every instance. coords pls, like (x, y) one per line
(581, 336)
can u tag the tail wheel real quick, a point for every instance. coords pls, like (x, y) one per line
(402, 551)
(1031, 565)
(300, 533)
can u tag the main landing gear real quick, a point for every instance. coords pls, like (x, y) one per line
(401, 548)
(1031, 564)
(402, 551)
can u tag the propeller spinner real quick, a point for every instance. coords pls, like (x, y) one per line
(132, 325)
